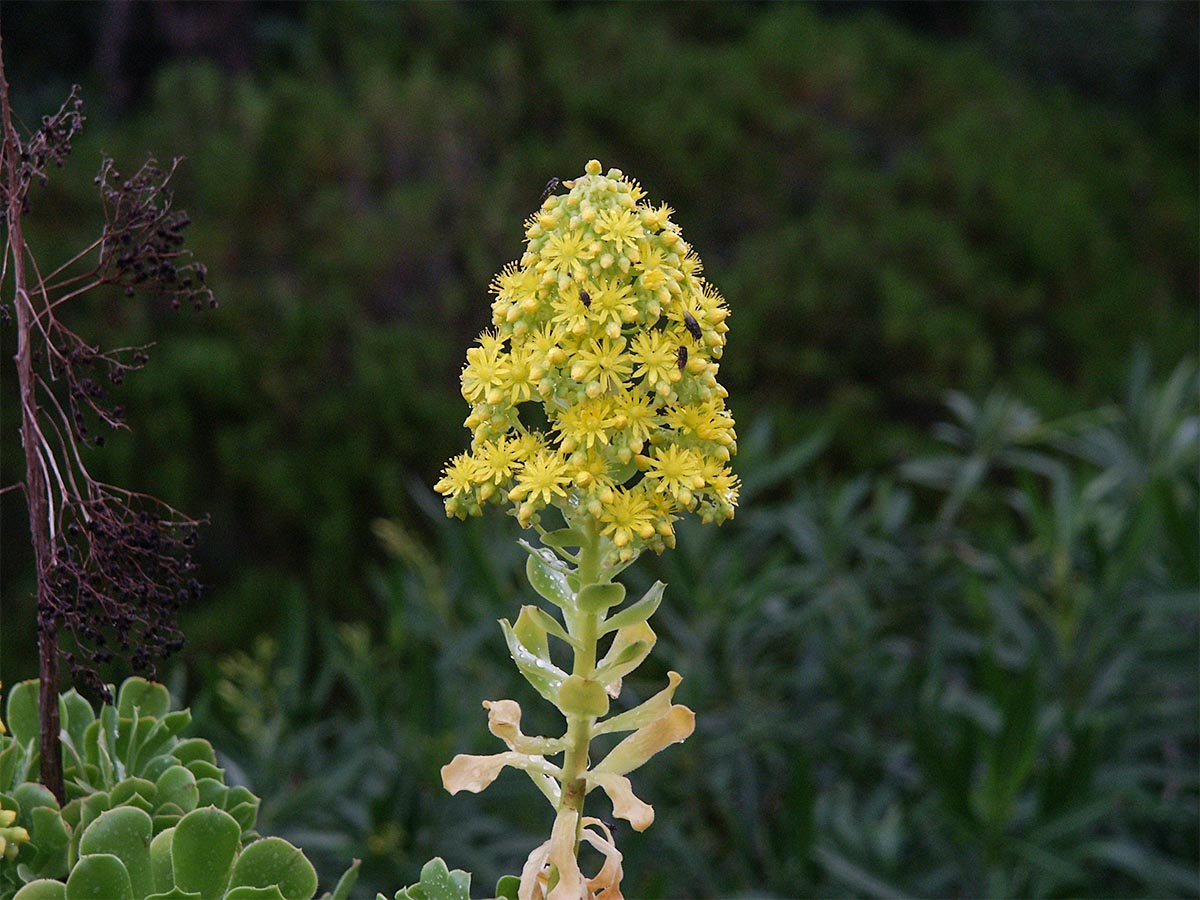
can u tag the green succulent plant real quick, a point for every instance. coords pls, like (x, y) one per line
(202, 856)
(438, 882)
(130, 756)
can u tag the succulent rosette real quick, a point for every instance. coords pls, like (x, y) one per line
(595, 390)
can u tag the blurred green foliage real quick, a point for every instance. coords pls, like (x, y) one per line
(998, 698)
(970, 672)
(890, 216)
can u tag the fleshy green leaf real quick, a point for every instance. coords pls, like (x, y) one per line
(22, 711)
(203, 851)
(52, 838)
(133, 790)
(273, 861)
(31, 795)
(99, 877)
(160, 860)
(177, 785)
(78, 715)
(507, 887)
(601, 597)
(194, 749)
(548, 581)
(245, 892)
(42, 889)
(148, 698)
(176, 721)
(125, 833)
(438, 883)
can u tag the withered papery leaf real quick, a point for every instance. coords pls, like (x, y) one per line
(562, 856)
(626, 804)
(474, 773)
(504, 721)
(606, 885)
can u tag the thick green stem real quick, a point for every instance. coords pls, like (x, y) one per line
(579, 728)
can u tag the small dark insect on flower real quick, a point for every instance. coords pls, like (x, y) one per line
(551, 186)
(682, 357)
(692, 325)
(585, 298)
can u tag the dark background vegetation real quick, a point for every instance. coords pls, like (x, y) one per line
(952, 660)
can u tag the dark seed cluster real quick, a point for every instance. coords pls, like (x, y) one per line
(142, 244)
(48, 145)
(122, 571)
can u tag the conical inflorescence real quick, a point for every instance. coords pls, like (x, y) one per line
(596, 388)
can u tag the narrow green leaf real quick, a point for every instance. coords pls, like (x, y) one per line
(345, 884)
(542, 674)
(638, 612)
(547, 623)
(563, 537)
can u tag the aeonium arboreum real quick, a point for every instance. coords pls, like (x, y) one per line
(607, 325)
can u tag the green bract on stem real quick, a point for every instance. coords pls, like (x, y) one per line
(588, 601)
(606, 321)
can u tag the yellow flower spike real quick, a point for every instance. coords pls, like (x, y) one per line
(607, 323)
